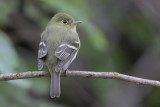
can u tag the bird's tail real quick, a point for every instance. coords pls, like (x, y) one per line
(55, 90)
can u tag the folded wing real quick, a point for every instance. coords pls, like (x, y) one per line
(42, 52)
(66, 53)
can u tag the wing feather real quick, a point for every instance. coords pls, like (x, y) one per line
(42, 52)
(66, 52)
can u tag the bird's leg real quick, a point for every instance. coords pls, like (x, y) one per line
(65, 74)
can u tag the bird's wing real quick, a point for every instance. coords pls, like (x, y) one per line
(66, 52)
(42, 52)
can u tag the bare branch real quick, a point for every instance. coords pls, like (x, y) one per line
(85, 74)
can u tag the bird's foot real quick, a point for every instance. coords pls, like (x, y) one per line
(65, 72)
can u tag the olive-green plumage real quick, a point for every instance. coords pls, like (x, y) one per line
(58, 47)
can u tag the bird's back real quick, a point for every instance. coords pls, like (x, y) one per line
(52, 35)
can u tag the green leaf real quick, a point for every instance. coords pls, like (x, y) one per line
(8, 57)
(6, 6)
(9, 60)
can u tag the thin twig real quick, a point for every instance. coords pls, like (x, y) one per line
(85, 74)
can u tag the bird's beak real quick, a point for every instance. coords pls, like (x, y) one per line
(76, 22)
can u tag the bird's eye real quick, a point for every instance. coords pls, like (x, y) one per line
(64, 21)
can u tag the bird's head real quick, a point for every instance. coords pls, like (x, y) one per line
(64, 21)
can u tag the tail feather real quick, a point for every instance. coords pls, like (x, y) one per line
(55, 90)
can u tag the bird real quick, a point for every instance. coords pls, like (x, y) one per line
(58, 48)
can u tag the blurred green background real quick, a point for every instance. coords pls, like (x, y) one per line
(116, 36)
